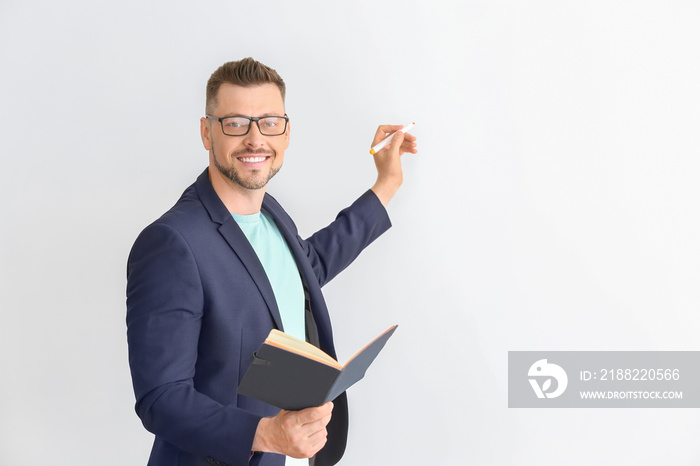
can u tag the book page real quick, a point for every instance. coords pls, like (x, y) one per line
(303, 348)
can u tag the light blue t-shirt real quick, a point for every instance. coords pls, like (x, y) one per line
(280, 267)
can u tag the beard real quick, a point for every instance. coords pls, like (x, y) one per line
(257, 181)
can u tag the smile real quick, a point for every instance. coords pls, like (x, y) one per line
(252, 159)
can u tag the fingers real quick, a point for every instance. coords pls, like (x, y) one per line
(409, 144)
(311, 415)
(310, 433)
(383, 132)
(300, 434)
(400, 144)
(388, 160)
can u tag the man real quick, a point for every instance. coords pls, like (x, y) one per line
(210, 278)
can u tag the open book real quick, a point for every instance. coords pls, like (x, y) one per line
(293, 374)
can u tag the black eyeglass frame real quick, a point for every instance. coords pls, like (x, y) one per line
(250, 122)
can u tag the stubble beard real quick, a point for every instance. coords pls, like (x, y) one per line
(254, 182)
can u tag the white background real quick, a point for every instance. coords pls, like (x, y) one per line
(553, 206)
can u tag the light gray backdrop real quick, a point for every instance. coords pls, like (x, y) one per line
(553, 206)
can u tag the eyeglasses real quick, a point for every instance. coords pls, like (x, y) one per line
(240, 125)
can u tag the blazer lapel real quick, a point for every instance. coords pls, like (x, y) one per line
(237, 240)
(235, 237)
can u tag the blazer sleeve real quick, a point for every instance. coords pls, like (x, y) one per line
(165, 302)
(333, 248)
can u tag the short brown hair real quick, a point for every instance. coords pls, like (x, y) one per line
(247, 73)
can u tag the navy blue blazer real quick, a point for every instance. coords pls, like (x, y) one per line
(199, 304)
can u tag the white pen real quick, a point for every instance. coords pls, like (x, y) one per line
(386, 141)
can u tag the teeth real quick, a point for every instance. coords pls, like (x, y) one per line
(252, 159)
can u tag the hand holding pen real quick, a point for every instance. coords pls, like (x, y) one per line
(390, 142)
(380, 145)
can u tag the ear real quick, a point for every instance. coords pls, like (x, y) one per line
(205, 132)
(286, 135)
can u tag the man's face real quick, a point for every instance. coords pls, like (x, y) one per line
(248, 161)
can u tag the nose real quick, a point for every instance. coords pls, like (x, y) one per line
(254, 138)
